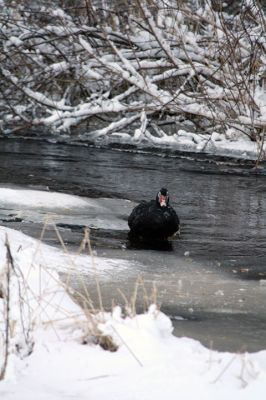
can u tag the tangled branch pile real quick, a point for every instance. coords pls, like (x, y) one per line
(79, 69)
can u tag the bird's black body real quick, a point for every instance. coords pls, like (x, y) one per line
(153, 221)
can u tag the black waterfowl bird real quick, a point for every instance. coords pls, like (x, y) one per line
(154, 220)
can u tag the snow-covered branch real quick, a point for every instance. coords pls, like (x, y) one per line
(63, 69)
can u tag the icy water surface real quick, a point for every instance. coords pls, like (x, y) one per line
(213, 277)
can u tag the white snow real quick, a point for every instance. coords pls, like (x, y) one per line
(39, 199)
(232, 143)
(14, 41)
(41, 98)
(42, 206)
(150, 363)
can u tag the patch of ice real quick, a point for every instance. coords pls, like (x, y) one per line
(36, 205)
(39, 199)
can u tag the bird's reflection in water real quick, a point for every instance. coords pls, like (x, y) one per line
(137, 243)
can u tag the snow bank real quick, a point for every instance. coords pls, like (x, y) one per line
(229, 144)
(150, 363)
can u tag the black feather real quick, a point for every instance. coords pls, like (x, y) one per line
(150, 221)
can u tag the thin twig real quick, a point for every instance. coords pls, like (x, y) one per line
(9, 265)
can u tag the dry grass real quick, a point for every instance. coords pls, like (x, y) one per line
(87, 321)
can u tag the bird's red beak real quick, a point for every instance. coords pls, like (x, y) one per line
(163, 200)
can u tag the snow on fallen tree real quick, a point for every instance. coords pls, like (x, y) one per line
(93, 72)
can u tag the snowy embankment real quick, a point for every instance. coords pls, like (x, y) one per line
(47, 359)
(232, 144)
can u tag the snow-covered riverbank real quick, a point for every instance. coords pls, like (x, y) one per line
(54, 363)
(231, 145)
(150, 362)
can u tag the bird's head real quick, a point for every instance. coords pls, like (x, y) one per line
(162, 198)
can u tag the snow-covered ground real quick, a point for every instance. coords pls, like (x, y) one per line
(150, 362)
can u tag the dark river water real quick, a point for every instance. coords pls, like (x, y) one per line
(213, 277)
